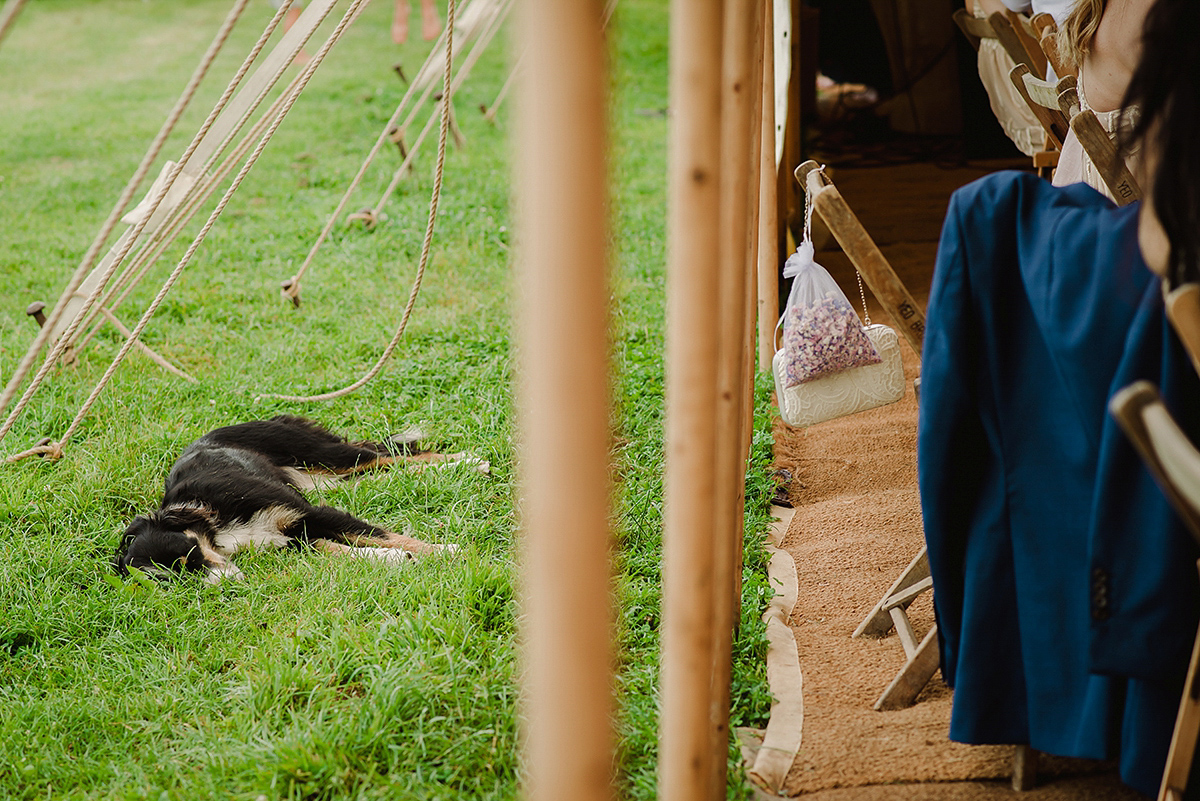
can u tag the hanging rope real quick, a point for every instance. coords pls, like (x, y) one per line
(170, 230)
(448, 89)
(89, 259)
(54, 449)
(292, 286)
(447, 95)
(89, 310)
(292, 289)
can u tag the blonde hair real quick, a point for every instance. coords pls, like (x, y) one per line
(1077, 31)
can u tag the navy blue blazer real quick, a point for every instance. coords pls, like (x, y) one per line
(1065, 587)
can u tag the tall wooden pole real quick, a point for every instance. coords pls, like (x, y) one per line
(738, 86)
(763, 9)
(693, 219)
(564, 402)
(768, 217)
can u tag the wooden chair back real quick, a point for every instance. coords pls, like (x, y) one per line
(1043, 99)
(1046, 31)
(1099, 147)
(974, 28)
(1018, 39)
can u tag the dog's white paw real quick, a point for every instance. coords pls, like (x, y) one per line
(393, 555)
(215, 575)
(463, 458)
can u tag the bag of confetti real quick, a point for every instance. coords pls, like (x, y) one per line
(821, 333)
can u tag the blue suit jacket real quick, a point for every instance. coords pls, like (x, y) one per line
(1065, 588)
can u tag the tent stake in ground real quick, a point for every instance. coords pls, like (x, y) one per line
(486, 22)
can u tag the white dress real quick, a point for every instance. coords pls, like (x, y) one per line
(1011, 110)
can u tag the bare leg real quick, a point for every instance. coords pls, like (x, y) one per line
(431, 26)
(400, 22)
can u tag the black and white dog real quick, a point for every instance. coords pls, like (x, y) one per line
(240, 486)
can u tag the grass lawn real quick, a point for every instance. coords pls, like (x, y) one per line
(315, 677)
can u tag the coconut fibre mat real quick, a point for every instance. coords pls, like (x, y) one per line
(857, 525)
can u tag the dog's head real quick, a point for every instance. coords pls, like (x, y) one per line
(171, 540)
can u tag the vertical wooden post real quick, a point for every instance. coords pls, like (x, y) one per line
(768, 216)
(763, 9)
(693, 218)
(738, 86)
(564, 402)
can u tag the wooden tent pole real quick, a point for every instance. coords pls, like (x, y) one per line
(693, 220)
(8, 15)
(768, 209)
(563, 402)
(739, 56)
(762, 10)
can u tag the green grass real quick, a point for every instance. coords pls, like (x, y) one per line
(314, 678)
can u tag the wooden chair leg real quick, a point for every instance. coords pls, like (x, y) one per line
(879, 621)
(913, 677)
(1025, 766)
(1187, 730)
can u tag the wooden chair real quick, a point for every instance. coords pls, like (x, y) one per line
(1046, 31)
(1014, 32)
(1100, 149)
(1042, 98)
(891, 610)
(1020, 40)
(1002, 28)
(1058, 108)
(1175, 464)
(909, 320)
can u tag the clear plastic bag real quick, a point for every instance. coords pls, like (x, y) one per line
(821, 333)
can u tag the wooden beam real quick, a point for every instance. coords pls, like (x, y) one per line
(563, 403)
(693, 249)
(769, 254)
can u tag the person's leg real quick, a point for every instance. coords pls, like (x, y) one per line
(431, 26)
(400, 22)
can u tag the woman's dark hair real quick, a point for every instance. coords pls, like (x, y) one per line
(1166, 89)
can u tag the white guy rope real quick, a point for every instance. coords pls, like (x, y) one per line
(447, 94)
(183, 214)
(127, 240)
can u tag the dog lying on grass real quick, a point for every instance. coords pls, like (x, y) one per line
(240, 486)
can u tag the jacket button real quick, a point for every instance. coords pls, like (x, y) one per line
(1099, 594)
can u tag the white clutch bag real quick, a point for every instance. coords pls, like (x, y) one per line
(847, 392)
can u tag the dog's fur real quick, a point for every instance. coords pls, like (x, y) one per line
(239, 486)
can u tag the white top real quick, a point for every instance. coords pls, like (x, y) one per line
(1055, 8)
